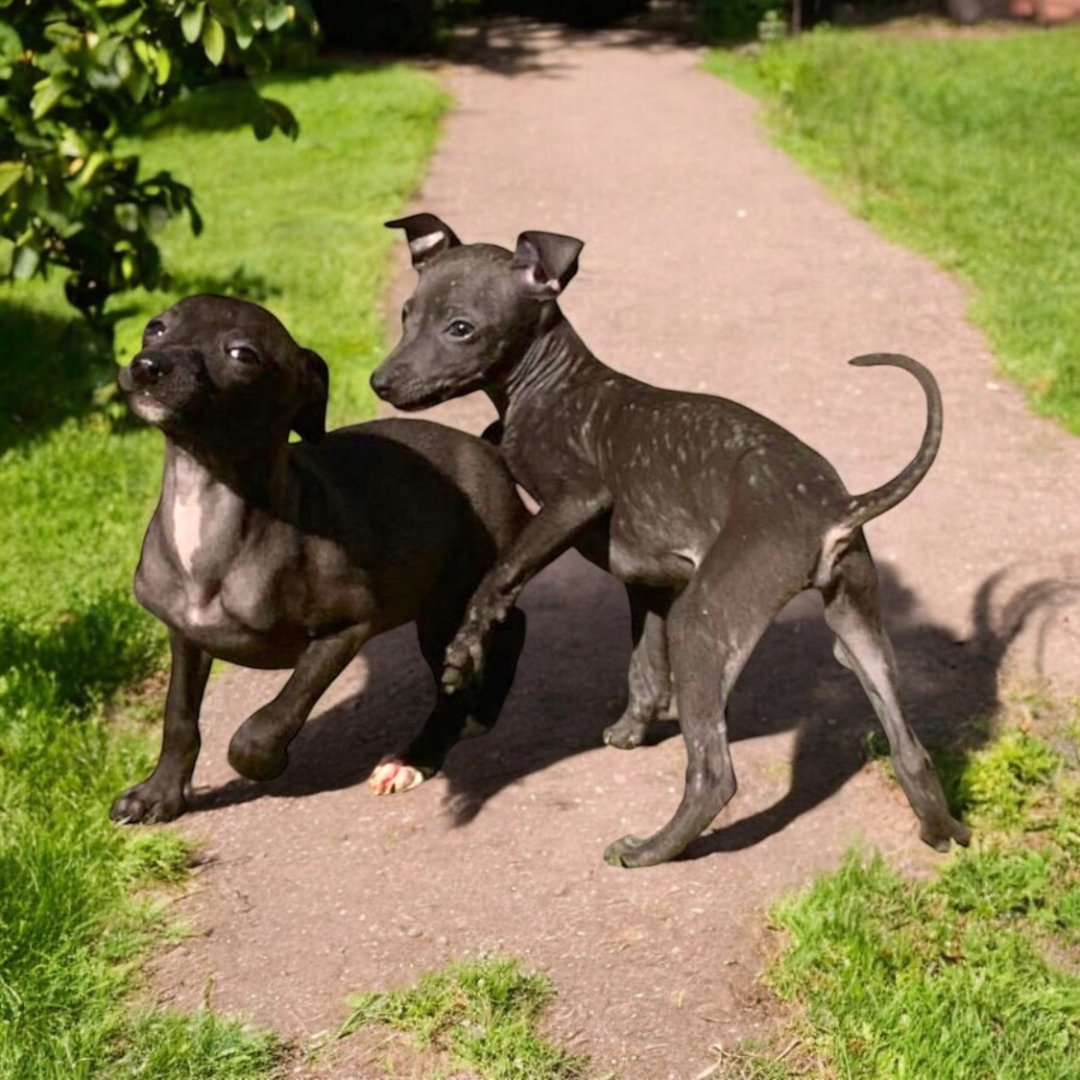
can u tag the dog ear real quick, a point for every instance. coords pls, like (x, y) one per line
(546, 262)
(309, 420)
(427, 236)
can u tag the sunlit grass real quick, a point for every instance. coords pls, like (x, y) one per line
(973, 973)
(482, 1015)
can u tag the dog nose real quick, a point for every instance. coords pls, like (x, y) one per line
(379, 382)
(145, 370)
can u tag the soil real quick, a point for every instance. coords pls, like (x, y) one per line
(711, 263)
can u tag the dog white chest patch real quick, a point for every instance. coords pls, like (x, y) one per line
(187, 515)
(200, 507)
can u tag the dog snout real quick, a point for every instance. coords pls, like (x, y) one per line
(382, 382)
(145, 370)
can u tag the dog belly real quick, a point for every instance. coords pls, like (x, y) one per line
(658, 548)
(237, 645)
(637, 566)
(228, 638)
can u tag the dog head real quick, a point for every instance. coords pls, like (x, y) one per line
(474, 312)
(221, 371)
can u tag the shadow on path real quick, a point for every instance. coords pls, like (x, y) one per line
(571, 684)
(514, 46)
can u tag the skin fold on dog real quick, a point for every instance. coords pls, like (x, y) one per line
(713, 516)
(277, 554)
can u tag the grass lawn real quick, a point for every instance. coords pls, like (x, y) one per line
(965, 147)
(480, 1016)
(972, 975)
(298, 227)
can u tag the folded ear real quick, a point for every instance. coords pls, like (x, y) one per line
(546, 262)
(427, 236)
(309, 420)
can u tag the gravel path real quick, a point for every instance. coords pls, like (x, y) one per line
(711, 263)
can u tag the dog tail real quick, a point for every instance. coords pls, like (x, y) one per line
(863, 508)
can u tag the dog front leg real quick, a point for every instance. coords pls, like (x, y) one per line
(551, 532)
(160, 797)
(259, 748)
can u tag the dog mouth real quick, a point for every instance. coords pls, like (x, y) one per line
(147, 407)
(141, 399)
(415, 396)
(414, 402)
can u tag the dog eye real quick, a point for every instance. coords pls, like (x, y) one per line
(154, 328)
(243, 354)
(459, 328)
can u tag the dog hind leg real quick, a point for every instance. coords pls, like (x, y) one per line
(713, 627)
(852, 612)
(650, 669)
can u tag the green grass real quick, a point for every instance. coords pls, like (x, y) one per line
(975, 974)
(298, 226)
(481, 1015)
(966, 148)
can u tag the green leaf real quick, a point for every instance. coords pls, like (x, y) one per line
(11, 45)
(88, 171)
(11, 172)
(277, 15)
(72, 143)
(213, 39)
(47, 94)
(25, 263)
(127, 25)
(137, 83)
(244, 35)
(191, 23)
(62, 33)
(162, 65)
(154, 59)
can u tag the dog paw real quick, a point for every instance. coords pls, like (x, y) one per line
(626, 733)
(939, 834)
(392, 777)
(625, 852)
(464, 658)
(147, 804)
(632, 851)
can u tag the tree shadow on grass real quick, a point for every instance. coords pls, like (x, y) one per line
(231, 104)
(54, 368)
(571, 684)
(241, 284)
(50, 367)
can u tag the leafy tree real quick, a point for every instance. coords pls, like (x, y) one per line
(75, 76)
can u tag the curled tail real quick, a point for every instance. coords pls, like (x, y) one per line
(864, 507)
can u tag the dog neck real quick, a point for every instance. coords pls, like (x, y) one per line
(209, 508)
(555, 360)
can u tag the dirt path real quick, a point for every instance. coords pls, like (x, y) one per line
(711, 263)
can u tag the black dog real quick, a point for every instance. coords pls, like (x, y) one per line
(273, 554)
(712, 515)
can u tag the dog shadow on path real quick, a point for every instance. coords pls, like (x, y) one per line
(571, 685)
